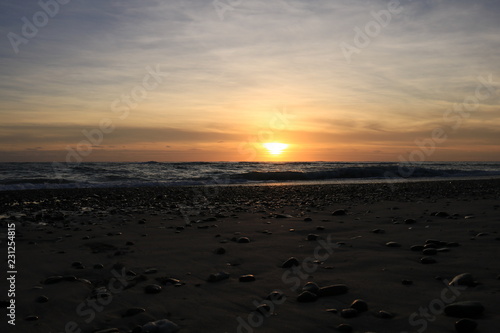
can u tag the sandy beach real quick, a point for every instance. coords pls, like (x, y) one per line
(207, 259)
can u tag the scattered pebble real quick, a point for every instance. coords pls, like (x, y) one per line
(333, 290)
(429, 252)
(464, 309)
(218, 277)
(307, 296)
(247, 278)
(427, 260)
(348, 313)
(243, 240)
(42, 299)
(160, 326)
(312, 237)
(345, 328)
(311, 286)
(392, 244)
(359, 305)
(339, 212)
(152, 289)
(385, 314)
(292, 261)
(133, 311)
(220, 250)
(465, 326)
(464, 279)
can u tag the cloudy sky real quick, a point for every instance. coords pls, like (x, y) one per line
(193, 80)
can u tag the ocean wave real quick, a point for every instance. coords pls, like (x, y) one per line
(390, 172)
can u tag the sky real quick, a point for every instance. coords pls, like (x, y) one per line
(193, 80)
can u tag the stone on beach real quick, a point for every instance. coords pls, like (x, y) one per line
(292, 261)
(311, 286)
(465, 326)
(307, 296)
(359, 305)
(160, 326)
(218, 277)
(427, 260)
(152, 289)
(333, 290)
(464, 279)
(348, 313)
(339, 212)
(247, 278)
(467, 309)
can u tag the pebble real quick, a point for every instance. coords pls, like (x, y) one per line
(345, 328)
(464, 279)
(385, 314)
(152, 289)
(348, 313)
(308, 219)
(359, 305)
(263, 309)
(151, 271)
(133, 311)
(312, 237)
(311, 286)
(275, 295)
(42, 299)
(410, 221)
(220, 250)
(243, 240)
(333, 290)
(464, 309)
(465, 326)
(247, 278)
(429, 252)
(307, 296)
(292, 261)
(100, 292)
(98, 266)
(339, 212)
(53, 279)
(218, 277)
(77, 265)
(428, 260)
(378, 231)
(160, 326)
(392, 244)
(440, 214)
(31, 318)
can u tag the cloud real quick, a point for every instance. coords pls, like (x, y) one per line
(226, 76)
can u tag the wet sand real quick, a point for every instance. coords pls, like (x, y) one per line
(97, 259)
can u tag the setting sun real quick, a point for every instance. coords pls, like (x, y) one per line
(275, 148)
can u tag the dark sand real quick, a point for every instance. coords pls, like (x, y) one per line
(177, 230)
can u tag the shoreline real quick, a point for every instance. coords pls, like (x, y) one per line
(172, 238)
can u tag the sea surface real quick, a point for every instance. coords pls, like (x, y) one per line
(18, 176)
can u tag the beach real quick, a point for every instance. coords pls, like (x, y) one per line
(207, 258)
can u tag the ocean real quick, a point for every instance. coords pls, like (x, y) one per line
(19, 176)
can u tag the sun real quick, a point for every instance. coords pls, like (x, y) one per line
(275, 148)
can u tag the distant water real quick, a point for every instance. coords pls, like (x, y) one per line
(16, 176)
